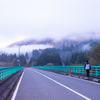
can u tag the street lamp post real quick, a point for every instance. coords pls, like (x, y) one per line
(19, 58)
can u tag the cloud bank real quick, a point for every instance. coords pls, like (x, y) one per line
(71, 19)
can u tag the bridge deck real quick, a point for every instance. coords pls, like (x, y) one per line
(43, 85)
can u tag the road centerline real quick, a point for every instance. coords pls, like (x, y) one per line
(63, 86)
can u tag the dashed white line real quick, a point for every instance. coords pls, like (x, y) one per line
(16, 90)
(63, 85)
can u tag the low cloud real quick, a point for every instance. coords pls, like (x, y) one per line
(86, 47)
(55, 19)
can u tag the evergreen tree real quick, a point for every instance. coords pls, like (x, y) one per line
(35, 54)
(78, 57)
(94, 55)
(32, 60)
(14, 62)
(66, 62)
(3, 58)
(44, 58)
(26, 56)
(22, 60)
(73, 58)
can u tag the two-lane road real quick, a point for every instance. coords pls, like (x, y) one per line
(36, 84)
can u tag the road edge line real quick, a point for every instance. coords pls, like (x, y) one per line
(16, 90)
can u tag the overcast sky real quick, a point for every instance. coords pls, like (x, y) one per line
(22, 19)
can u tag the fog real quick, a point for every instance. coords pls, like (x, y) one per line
(57, 19)
(23, 49)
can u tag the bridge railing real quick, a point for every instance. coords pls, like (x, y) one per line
(7, 71)
(95, 70)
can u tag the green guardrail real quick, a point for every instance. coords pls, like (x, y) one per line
(95, 70)
(7, 71)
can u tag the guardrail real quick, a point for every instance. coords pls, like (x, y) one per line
(7, 71)
(95, 70)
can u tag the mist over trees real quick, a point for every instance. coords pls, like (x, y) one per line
(35, 54)
(72, 55)
(69, 55)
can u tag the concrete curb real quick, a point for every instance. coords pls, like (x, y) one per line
(85, 78)
(6, 93)
(96, 80)
(4, 80)
(8, 90)
(76, 76)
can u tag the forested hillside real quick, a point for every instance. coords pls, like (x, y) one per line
(62, 55)
(69, 55)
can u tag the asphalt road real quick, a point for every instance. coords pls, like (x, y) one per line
(36, 84)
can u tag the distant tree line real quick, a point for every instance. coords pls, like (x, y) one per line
(66, 56)
(11, 60)
(49, 55)
(44, 59)
(55, 56)
(94, 55)
(77, 58)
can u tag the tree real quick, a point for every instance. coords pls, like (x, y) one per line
(94, 55)
(11, 57)
(80, 58)
(50, 51)
(73, 58)
(22, 60)
(32, 61)
(14, 62)
(56, 59)
(35, 54)
(44, 58)
(7, 60)
(3, 58)
(66, 62)
(26, 56)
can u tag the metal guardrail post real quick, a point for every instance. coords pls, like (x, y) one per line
(1, 74)
(69, 70)
(91, 71)
(7, 71)
(95, 70)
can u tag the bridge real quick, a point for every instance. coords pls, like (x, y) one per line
(37, 84)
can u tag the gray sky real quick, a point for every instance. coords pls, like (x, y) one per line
(73, 19)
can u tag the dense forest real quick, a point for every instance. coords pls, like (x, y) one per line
(12, 60)
(57, 57)
(66, 56)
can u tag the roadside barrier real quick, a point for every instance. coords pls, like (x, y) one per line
(7, 71)
(95, 70)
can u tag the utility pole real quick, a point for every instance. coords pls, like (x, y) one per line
(19, 59)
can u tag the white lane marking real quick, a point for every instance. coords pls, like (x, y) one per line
(16, 90)
(78, 79)
(63, 86)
